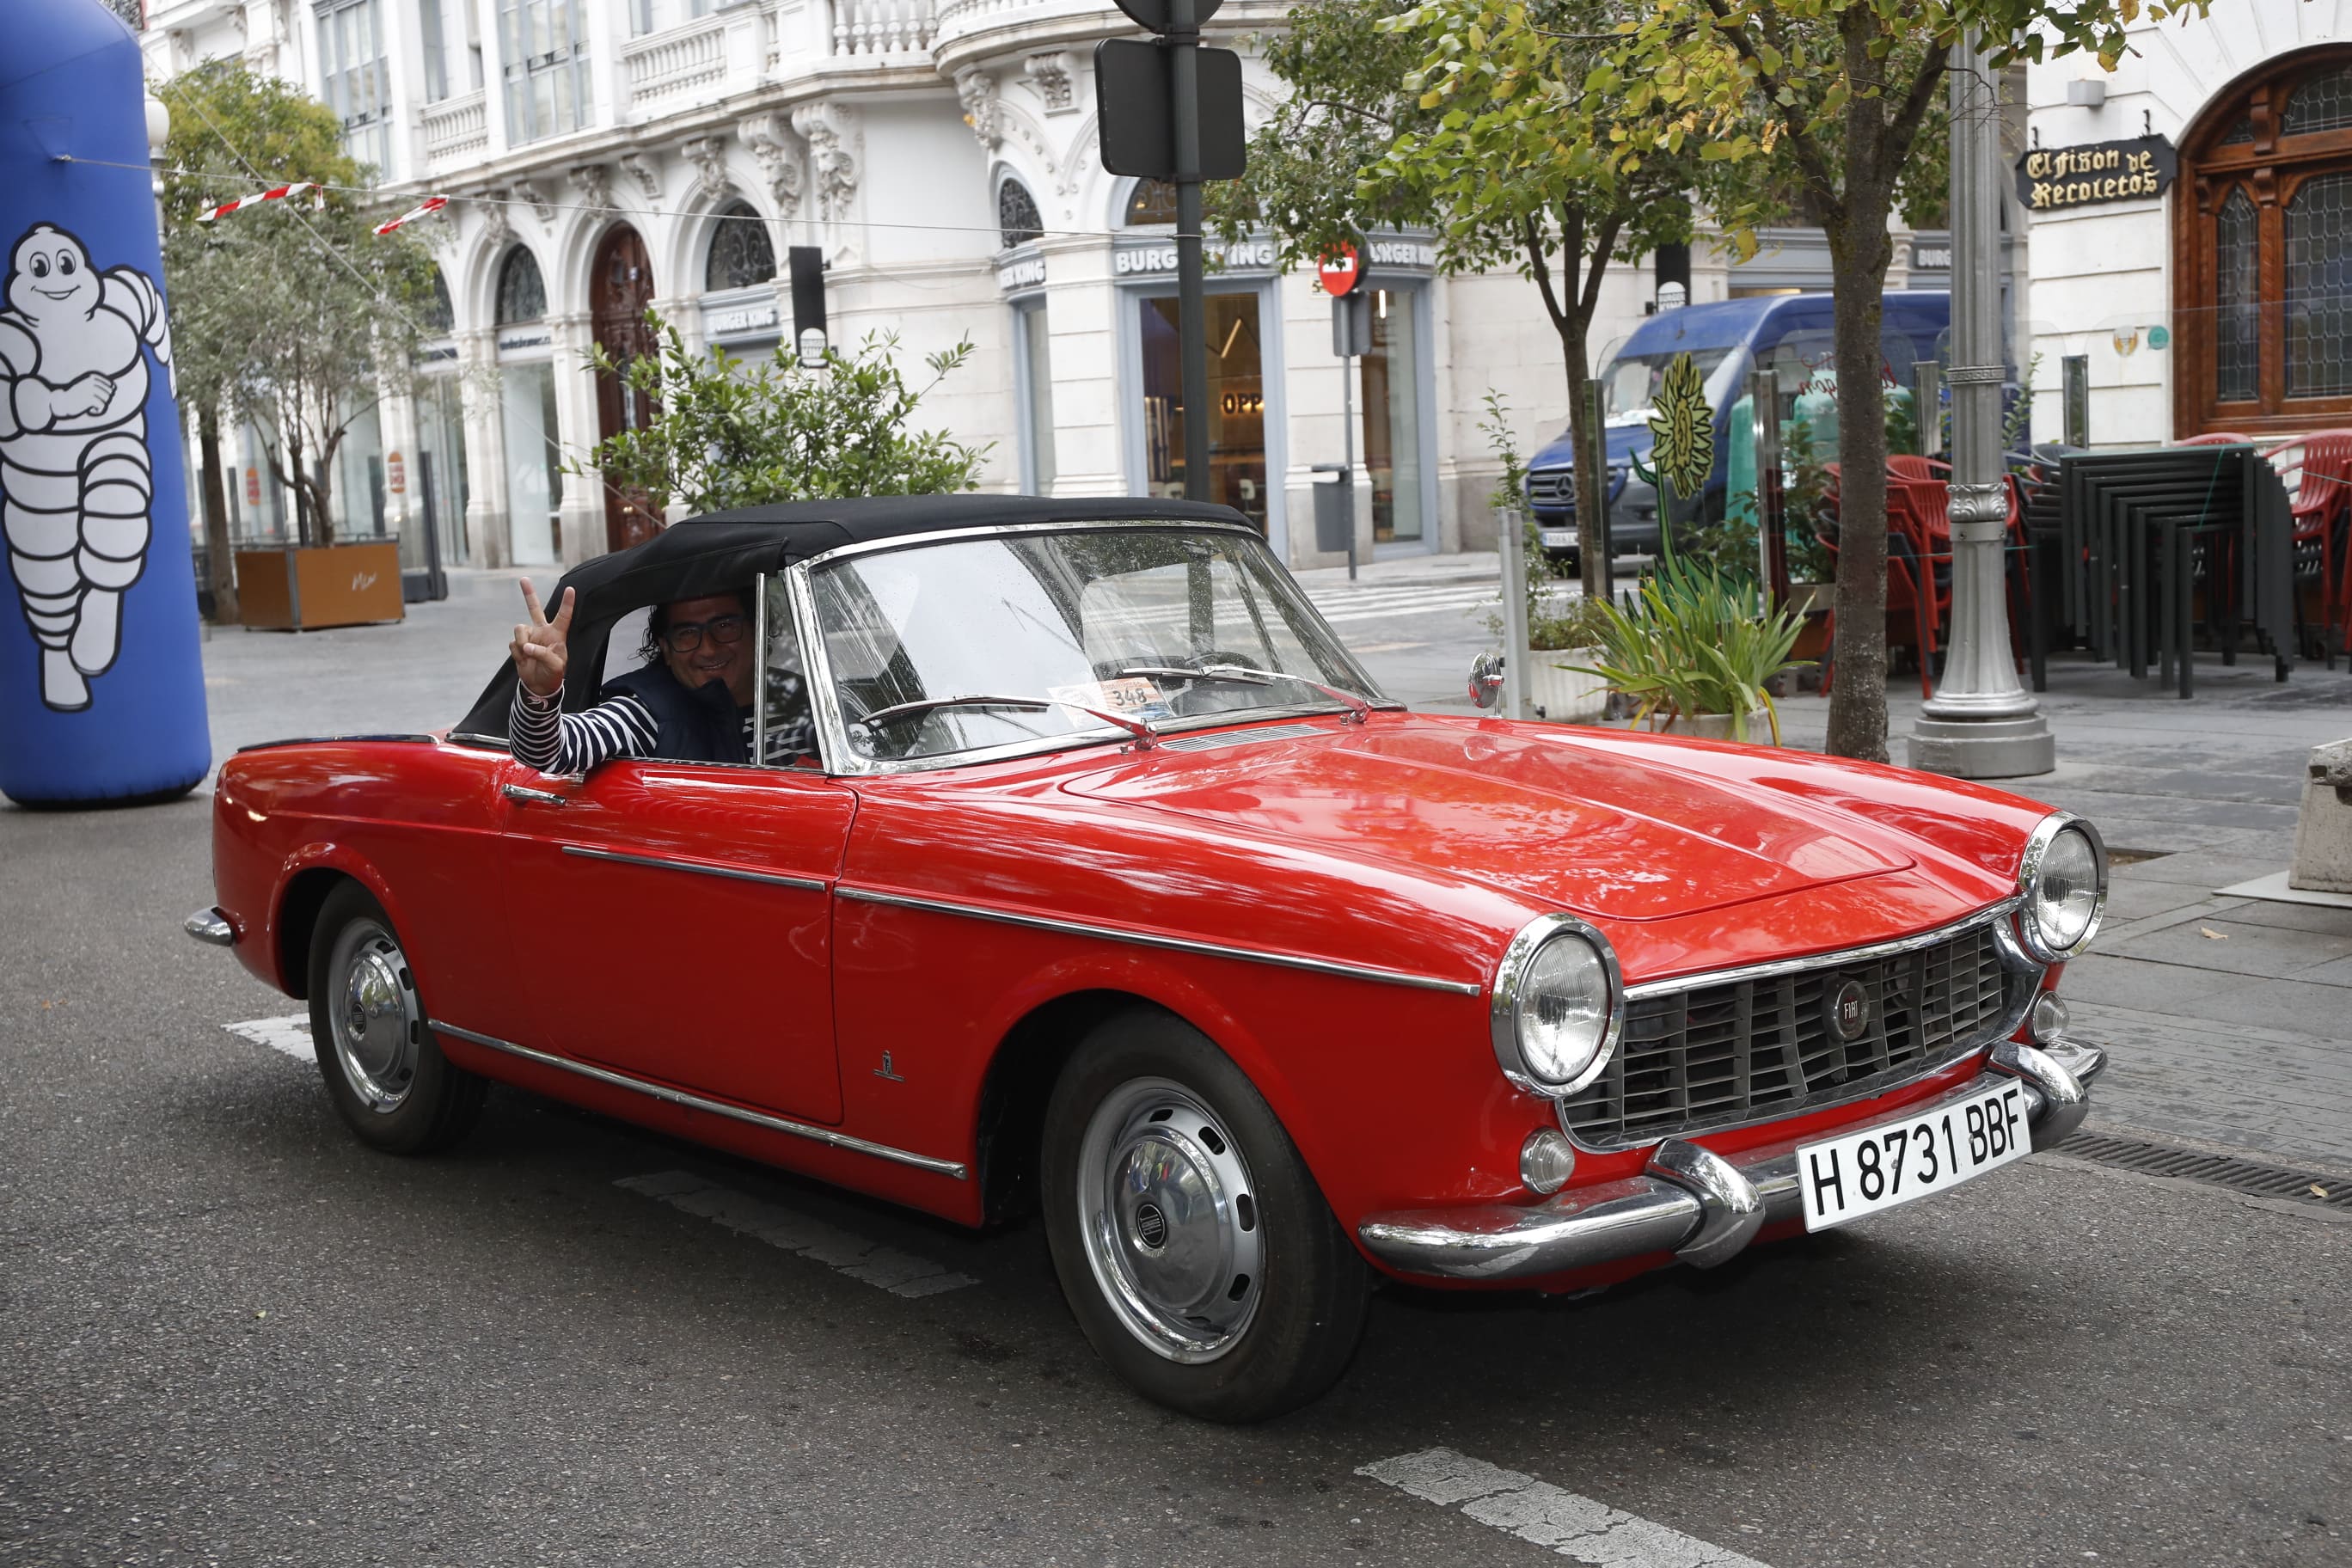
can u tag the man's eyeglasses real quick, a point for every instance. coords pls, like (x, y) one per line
(687, 636)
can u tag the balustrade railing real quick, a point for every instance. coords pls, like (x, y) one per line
(677, 62)
(883, 26)
(457, 131)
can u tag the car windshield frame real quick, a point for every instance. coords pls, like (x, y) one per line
(844, 758)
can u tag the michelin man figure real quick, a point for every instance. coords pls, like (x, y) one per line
(75, 477)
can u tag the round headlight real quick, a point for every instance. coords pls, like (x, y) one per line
(1558, 1005)
(2065, 884)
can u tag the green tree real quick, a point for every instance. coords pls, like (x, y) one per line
(728, 433)
(294, 315)
(1391, 121)
(1833, 98)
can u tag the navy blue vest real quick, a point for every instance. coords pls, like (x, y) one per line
(700, 726)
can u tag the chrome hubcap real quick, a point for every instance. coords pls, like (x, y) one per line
(378, 1025)
(1170, 1220)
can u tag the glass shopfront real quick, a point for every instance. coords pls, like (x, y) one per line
(1393, 434)
(527, 413)
(439, 479)
(1236, 401)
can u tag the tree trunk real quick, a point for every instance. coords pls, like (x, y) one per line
(222, 562)
(1859, 252)
(1591, 467)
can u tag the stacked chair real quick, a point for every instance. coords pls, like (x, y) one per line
(2322, 509)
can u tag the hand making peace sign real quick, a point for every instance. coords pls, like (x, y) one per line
(538, 649)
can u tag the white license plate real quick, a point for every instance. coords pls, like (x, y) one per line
(1844, 1178)
(1560, 538)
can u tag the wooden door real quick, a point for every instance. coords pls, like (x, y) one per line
(620, 287)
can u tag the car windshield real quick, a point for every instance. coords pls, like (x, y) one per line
(1173, 626)
(1632, 381)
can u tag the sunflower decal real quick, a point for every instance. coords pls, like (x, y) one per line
(1683, 427)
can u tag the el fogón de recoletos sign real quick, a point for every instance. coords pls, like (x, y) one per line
(2055, 179)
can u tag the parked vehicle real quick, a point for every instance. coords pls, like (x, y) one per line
(1791, 334)
(1116, 890)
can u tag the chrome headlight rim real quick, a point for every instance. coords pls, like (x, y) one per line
(2038, 942)
(1510, 977)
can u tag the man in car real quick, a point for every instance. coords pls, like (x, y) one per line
(690, 701)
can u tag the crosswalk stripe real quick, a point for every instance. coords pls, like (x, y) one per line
(884, 1267)
(1577, 1528)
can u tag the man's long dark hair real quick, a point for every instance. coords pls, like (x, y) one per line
(657, 625)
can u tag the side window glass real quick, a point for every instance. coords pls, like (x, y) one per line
(787, 721)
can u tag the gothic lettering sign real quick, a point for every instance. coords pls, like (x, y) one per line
(2057, 179)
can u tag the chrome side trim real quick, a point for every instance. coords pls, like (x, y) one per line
(1779, 966)
(1171, 944)
(954, 1168)
(1662, 1212)
(211, 927)
(663, 863)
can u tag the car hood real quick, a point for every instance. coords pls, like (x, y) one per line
(1584, 820)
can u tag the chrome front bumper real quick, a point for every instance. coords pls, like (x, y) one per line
(1702, 1207)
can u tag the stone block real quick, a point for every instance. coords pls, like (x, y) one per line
(2323, 830)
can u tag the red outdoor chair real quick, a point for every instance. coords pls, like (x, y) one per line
(1912, 551)
(2322, 514)
(2216, 439)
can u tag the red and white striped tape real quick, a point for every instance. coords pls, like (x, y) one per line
(277, 194)
(429, 205)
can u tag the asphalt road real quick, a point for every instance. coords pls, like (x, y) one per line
(235, 1336)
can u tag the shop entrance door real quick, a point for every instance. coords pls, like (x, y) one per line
(621, 285)
(1236, 403)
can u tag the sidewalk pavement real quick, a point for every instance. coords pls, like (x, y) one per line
(2230, 1018)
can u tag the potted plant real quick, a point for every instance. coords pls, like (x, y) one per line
(1693, 653)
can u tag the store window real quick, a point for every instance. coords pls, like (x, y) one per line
(741, 254)
(1392, 424)
(357, 78)
(1236, 399)
(527, 412)
(2262, 230)
(1017, 219)
(542, 49)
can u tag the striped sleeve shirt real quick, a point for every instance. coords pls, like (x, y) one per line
(555, 742)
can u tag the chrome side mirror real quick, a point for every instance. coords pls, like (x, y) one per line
(1486, 681)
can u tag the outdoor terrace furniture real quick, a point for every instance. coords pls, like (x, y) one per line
(2322, 509)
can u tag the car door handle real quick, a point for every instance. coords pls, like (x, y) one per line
(532, 796)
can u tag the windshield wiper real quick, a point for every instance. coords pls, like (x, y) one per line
(1145, 735)
(1359, 708)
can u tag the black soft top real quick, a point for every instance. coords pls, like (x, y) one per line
(723, 551)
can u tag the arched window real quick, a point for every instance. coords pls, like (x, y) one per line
(1017, 219)
(1152, 201)
(741, 254)
(522, 294)
(439, 315)
(2262, 237)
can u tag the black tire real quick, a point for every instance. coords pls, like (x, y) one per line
(1244, 1235)
(396, 1091)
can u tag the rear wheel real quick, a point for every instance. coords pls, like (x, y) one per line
(1190, 1240)
(383, 1068)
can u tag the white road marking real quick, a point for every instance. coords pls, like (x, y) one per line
(900, 1273)
(290, 1035)
(1575, 1527)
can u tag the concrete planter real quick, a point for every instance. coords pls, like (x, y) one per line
(1562, 695)
(1717, 727)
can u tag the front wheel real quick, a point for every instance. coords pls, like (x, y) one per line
(383, 1068)
(1191, 1242)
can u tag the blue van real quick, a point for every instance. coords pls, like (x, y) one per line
(1791, 334)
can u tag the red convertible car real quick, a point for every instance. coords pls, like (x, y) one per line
(1113, 890)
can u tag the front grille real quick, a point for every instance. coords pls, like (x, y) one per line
(1555, 489)
(1709, 1057)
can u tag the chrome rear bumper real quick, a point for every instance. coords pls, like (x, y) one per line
(210, 926)
(1702, 1207)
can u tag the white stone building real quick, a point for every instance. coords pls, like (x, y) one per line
(2224, 303)
(604, 155)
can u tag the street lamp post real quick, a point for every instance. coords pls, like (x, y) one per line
(1981, 724)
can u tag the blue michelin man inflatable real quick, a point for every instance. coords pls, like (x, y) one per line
(101, 686)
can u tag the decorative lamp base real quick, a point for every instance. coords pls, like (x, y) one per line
(1984, 748)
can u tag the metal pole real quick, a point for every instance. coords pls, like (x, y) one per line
(1513, 528)
(1981, 724)
(1184, 40)
(1594, 530)
(1347, 451)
